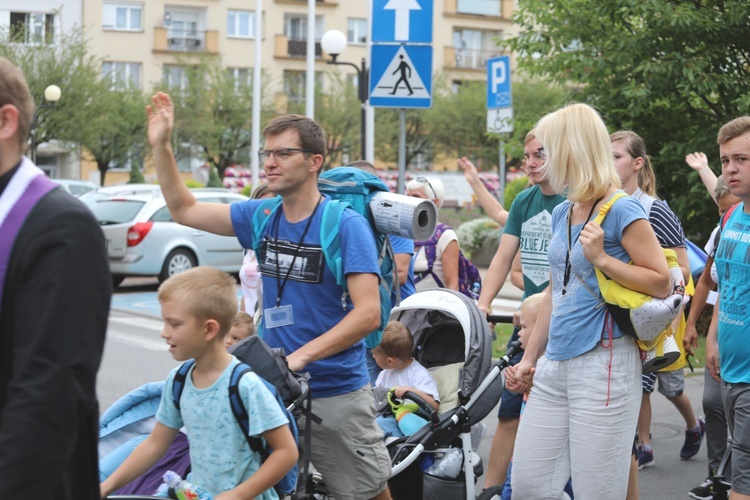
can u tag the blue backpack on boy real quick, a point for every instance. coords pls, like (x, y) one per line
(288, 483)
(348, 187)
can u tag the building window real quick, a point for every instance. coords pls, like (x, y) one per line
(240, 77)
(479, 7)
(295, 83)
(132, 160)
(474, 47)
(356, 31)
(241, 23)
(189, 157)
(122, 16)
(175, 77)
(122, 75)
(32, 28)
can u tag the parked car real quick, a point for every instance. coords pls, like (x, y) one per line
(143, 240)
(76, 187)
(101, 193)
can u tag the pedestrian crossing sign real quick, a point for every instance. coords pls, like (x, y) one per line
(401, 76)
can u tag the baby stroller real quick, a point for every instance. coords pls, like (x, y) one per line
(452, 339)
(127, 422)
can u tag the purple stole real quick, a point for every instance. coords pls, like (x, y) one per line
(27, 186)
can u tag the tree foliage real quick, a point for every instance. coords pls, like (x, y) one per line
(213, 112)
(68, 65)
(673, 71)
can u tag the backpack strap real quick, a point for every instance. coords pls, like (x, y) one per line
(605, 208)
(180, 378)
(726, 215)
(240, 412)
(430, 252)
(260, 219)
(330, 239)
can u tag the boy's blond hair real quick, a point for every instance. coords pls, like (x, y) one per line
(243, 319)
(207, 292)
(532, 303)
(397, 341)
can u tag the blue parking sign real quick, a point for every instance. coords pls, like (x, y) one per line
(498, 83)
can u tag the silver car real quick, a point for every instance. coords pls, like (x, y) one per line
(143, 240)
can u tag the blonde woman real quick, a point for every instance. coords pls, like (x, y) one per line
(583, 406)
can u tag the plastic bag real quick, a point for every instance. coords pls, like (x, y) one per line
(449, 466)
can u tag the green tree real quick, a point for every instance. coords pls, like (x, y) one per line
(67, 64)
(673, 71)
(213, 112)
(418, 140)
(118, 133)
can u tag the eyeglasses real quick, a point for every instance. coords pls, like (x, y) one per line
(424, 180)
(280, 154)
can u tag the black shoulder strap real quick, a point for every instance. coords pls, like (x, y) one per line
(240, 412)
(178, 384)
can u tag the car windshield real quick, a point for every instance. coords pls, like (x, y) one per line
(116, 211)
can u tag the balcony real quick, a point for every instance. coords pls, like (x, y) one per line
(478, 9)
(294, 47)
(169, 40)
(469, 58)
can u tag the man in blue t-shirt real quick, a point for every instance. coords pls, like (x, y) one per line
(528, 231)
(727, 348)
(306, 312)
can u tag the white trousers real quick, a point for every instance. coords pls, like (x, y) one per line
(579, 423)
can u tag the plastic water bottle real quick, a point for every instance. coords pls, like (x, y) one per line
(475, 290)
(183, 489)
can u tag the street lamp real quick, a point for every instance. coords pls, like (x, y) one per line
(333, 42)
(51, 95)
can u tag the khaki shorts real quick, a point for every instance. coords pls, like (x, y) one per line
(347, 446)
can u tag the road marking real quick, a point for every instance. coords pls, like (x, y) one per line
(147, 338)
(140, 322)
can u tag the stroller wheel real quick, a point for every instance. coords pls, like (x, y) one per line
(491, 493)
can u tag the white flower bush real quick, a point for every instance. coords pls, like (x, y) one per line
(475, 233)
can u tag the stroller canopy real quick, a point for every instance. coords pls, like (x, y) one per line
(457, 315)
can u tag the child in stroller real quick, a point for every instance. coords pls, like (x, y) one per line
(402, 373)
(454, 342)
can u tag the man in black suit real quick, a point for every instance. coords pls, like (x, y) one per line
(55, 289)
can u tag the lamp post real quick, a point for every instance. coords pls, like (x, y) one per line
(333, 42)
(51, 95)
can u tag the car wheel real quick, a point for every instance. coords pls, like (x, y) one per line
(178, 261)
(117, 279)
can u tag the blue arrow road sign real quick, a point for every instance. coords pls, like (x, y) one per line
(401, 76)
(407, 21)
(498, 83)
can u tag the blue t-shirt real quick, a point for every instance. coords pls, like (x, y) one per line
(733, 268)
(220, 456)
(318, 302)
(406, 246)
(577, 321)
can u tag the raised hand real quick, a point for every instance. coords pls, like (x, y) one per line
(470, 171)
(160, 119)
(697, 161)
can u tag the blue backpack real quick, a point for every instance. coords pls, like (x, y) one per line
(348, 187)
(288, 483)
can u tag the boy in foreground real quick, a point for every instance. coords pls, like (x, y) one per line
(198, 307)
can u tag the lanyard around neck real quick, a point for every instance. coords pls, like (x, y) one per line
(566, 275)
(279, 283)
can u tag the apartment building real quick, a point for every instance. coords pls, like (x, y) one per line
(142, 42)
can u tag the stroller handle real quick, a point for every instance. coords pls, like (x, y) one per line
(424, 406)
(500, 318)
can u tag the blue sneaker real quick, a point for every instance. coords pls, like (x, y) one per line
(645, 457)
(693, 440)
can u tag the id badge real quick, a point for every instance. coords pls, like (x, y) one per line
(274, 317)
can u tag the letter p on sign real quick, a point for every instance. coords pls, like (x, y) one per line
(498, 83)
